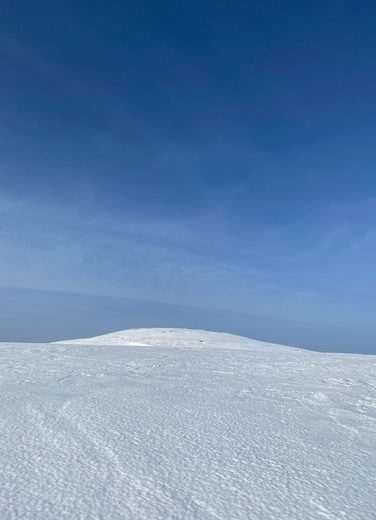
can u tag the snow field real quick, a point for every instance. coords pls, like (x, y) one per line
(125, 432)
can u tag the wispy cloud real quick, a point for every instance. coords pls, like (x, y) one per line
(277, 271)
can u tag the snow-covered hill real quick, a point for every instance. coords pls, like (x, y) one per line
(132, 432)
(182, 338)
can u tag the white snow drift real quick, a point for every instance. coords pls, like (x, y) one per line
(200, 426)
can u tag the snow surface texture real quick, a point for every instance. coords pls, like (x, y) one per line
(133, 432)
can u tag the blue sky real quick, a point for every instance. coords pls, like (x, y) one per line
(213, 162)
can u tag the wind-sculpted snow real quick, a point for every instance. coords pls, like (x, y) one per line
(93, 432)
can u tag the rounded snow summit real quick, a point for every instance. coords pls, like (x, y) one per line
(177, 338)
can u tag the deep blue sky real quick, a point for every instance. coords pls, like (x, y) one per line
(213, 155)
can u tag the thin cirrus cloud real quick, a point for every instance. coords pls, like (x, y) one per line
(290, 271)
(62, 248)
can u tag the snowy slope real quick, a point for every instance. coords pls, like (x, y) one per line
(182, 338)
(132, 432)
